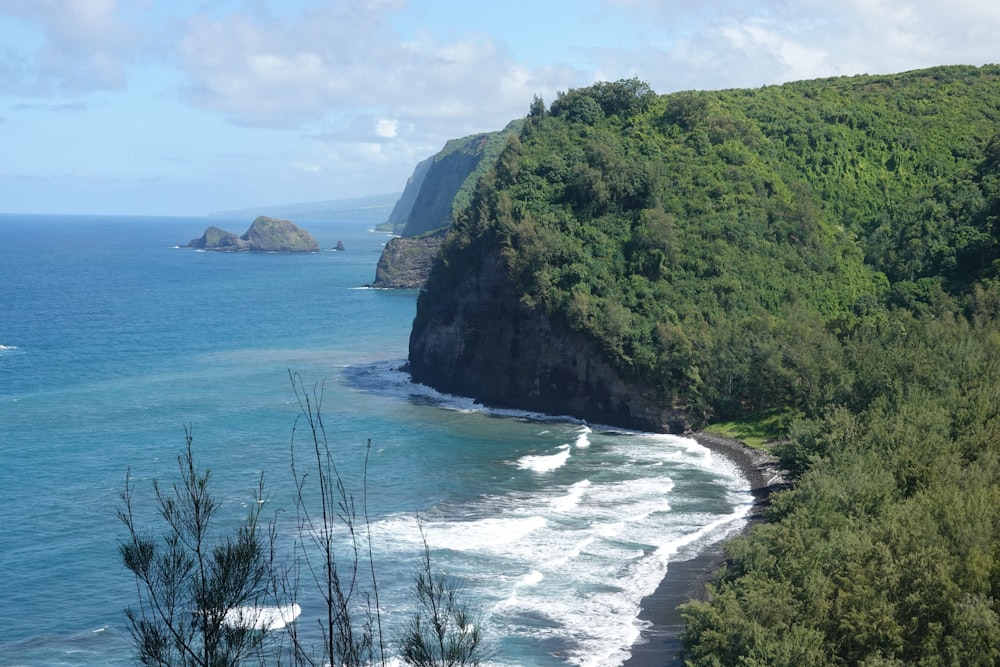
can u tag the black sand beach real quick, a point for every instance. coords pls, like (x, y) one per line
(660, 645)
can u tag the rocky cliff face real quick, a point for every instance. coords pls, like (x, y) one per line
(479, 340)
(432, 207)
(405, 263)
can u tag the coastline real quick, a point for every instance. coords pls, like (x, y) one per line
(660, 643)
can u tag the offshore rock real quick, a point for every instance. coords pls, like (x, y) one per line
(264, 235)
(478, 340)
(215, 238)
(405, 263)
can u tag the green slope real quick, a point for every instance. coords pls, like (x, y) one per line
(718, 243)
(824, 248)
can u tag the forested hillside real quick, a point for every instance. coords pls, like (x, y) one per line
(439, 186)
(450, 177)
(826, 251)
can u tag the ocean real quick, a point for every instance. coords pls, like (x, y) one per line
(113, 339)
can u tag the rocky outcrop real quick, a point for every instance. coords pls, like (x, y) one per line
(264, 235)
(405, 263)
(478, 339)
(215, 238)
(439, 186)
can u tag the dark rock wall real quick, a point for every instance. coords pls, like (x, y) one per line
(478, 340)
(405, 263)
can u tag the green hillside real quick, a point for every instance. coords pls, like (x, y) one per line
(721, 244)
(824, 250)
(445, 182)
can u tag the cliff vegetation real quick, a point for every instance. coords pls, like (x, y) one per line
(823, 250)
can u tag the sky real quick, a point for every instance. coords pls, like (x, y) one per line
(184, 107)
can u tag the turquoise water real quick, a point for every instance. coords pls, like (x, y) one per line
(112, 339)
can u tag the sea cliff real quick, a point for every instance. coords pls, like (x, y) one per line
(479, 340)
(439, 186)
(663, 261)
(405, 262)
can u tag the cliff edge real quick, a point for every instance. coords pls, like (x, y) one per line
(480, 340)
(657, 262)
(438, 187)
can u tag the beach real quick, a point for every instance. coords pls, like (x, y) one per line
(660, 644)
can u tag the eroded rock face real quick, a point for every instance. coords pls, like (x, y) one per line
(478, 340)
(405, 263)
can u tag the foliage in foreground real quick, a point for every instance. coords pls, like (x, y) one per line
(197, 591)
(213, 598)
(444, 631)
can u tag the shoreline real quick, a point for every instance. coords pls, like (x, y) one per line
(660, 643)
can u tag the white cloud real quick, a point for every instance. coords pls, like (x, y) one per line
(345, 96)
(386, 128)
(85, 45)
(263, 70)
(307, 168)
(726, 43)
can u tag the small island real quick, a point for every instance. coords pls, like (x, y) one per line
(265, 235)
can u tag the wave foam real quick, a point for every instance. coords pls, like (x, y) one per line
(263, 618)
(485, 533)
(545, 462)
(532, 578)
(572, 498)
(568, 556)
(477, 535)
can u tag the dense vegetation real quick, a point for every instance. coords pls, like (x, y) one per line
(887, 551)
(826, 249)
(450, 177)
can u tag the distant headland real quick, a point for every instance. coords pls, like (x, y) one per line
(264, 235)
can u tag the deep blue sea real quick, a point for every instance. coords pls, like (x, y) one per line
(113, 338)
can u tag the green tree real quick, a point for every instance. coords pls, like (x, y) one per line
(211, 598)
(444, 632)
(202, 596)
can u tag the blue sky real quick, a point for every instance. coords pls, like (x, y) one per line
(181, 107)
